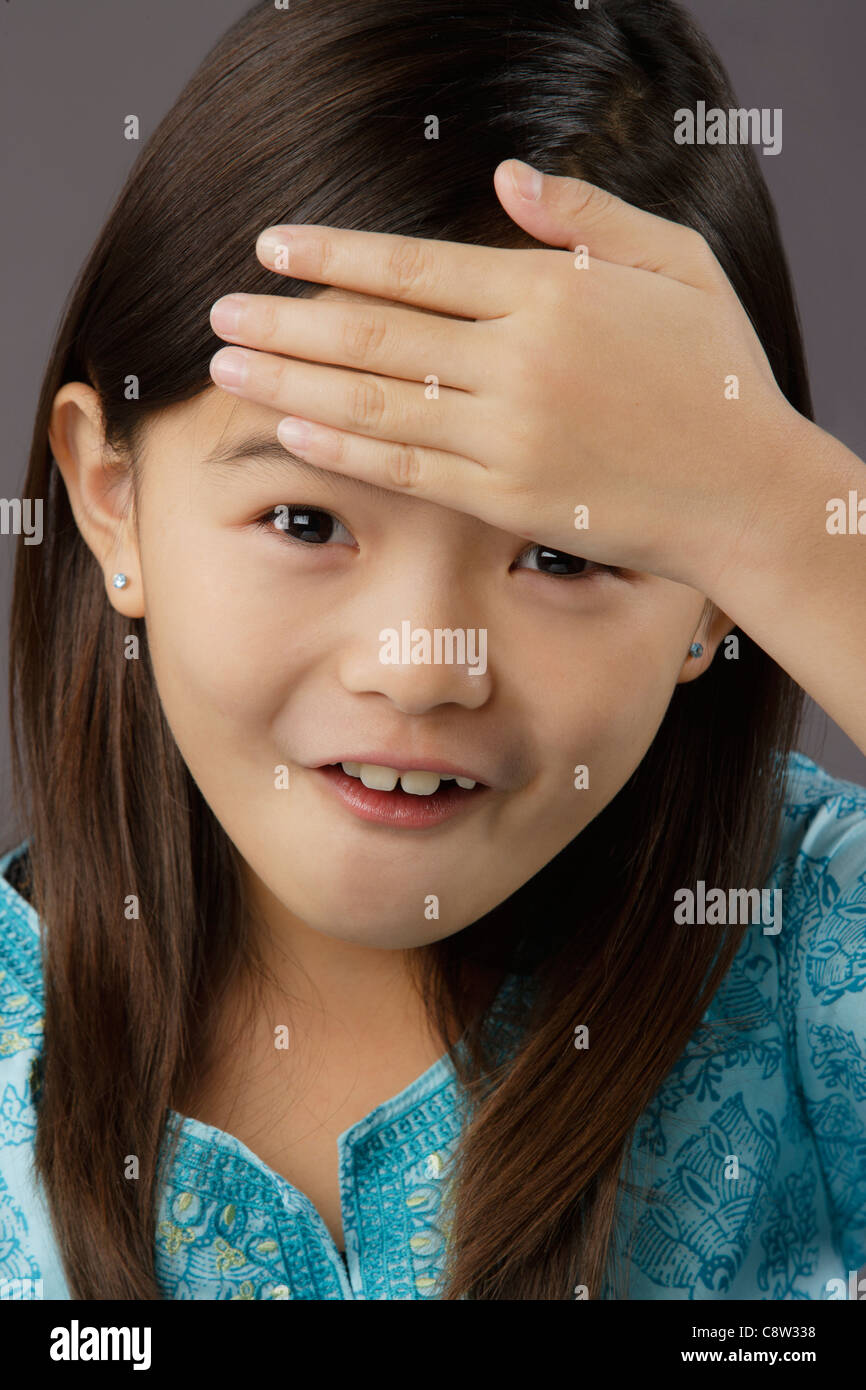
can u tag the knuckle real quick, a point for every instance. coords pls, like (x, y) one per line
(318, 256)
(363, 333)
(366, 404)
(273, 377)
(589, 198)
(338, 447)
(699, 246)
(266, 321)
(522, 442)
(404, 465)
(554, 286)
(408, 264)
(705, 260)
(540, 267)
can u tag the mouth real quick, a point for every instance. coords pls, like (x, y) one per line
(409, 798)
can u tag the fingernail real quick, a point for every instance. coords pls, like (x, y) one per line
(227, 313)
(273, 244)
(527, 180)
(293, 433)
(229, 367)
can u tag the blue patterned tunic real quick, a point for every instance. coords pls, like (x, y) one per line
(752, 1153)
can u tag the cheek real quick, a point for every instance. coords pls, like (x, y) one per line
(599, 707)
(224, 650)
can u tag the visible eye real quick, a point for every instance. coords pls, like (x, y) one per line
(306, 525)
(560, 564)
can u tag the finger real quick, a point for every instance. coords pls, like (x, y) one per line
(451, 480)
(571, 212)
(393, 342)
(379, 406)
(453, 277)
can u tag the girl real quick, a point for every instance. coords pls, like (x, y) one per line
(342, 964)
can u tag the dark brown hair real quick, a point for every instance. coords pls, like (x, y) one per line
(318, 115)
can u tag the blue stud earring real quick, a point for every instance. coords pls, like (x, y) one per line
(696, 649)
(120, 581)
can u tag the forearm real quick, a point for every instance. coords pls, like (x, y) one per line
(798, 589)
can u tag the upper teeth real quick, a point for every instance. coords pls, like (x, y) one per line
(385, 779)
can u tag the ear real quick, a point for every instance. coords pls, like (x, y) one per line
(99, 486)
(713, 627)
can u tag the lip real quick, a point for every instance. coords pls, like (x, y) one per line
(401, 765)
(398, 809)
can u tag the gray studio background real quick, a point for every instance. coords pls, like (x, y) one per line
(72, 69)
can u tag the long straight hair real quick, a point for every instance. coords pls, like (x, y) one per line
(321, 114)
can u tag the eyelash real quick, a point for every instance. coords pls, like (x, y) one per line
(268, 521)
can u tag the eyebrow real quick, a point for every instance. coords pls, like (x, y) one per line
(264, 448)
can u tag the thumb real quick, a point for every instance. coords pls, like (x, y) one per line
(570, 212)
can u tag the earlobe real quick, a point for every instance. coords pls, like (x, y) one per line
(712, 630)
(698, 658)
(128, 607)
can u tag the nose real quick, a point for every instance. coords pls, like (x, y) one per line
(418, 663)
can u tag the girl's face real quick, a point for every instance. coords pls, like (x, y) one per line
(267, 642)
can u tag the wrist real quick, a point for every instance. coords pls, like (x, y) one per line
(781, 548)
(773, 512)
